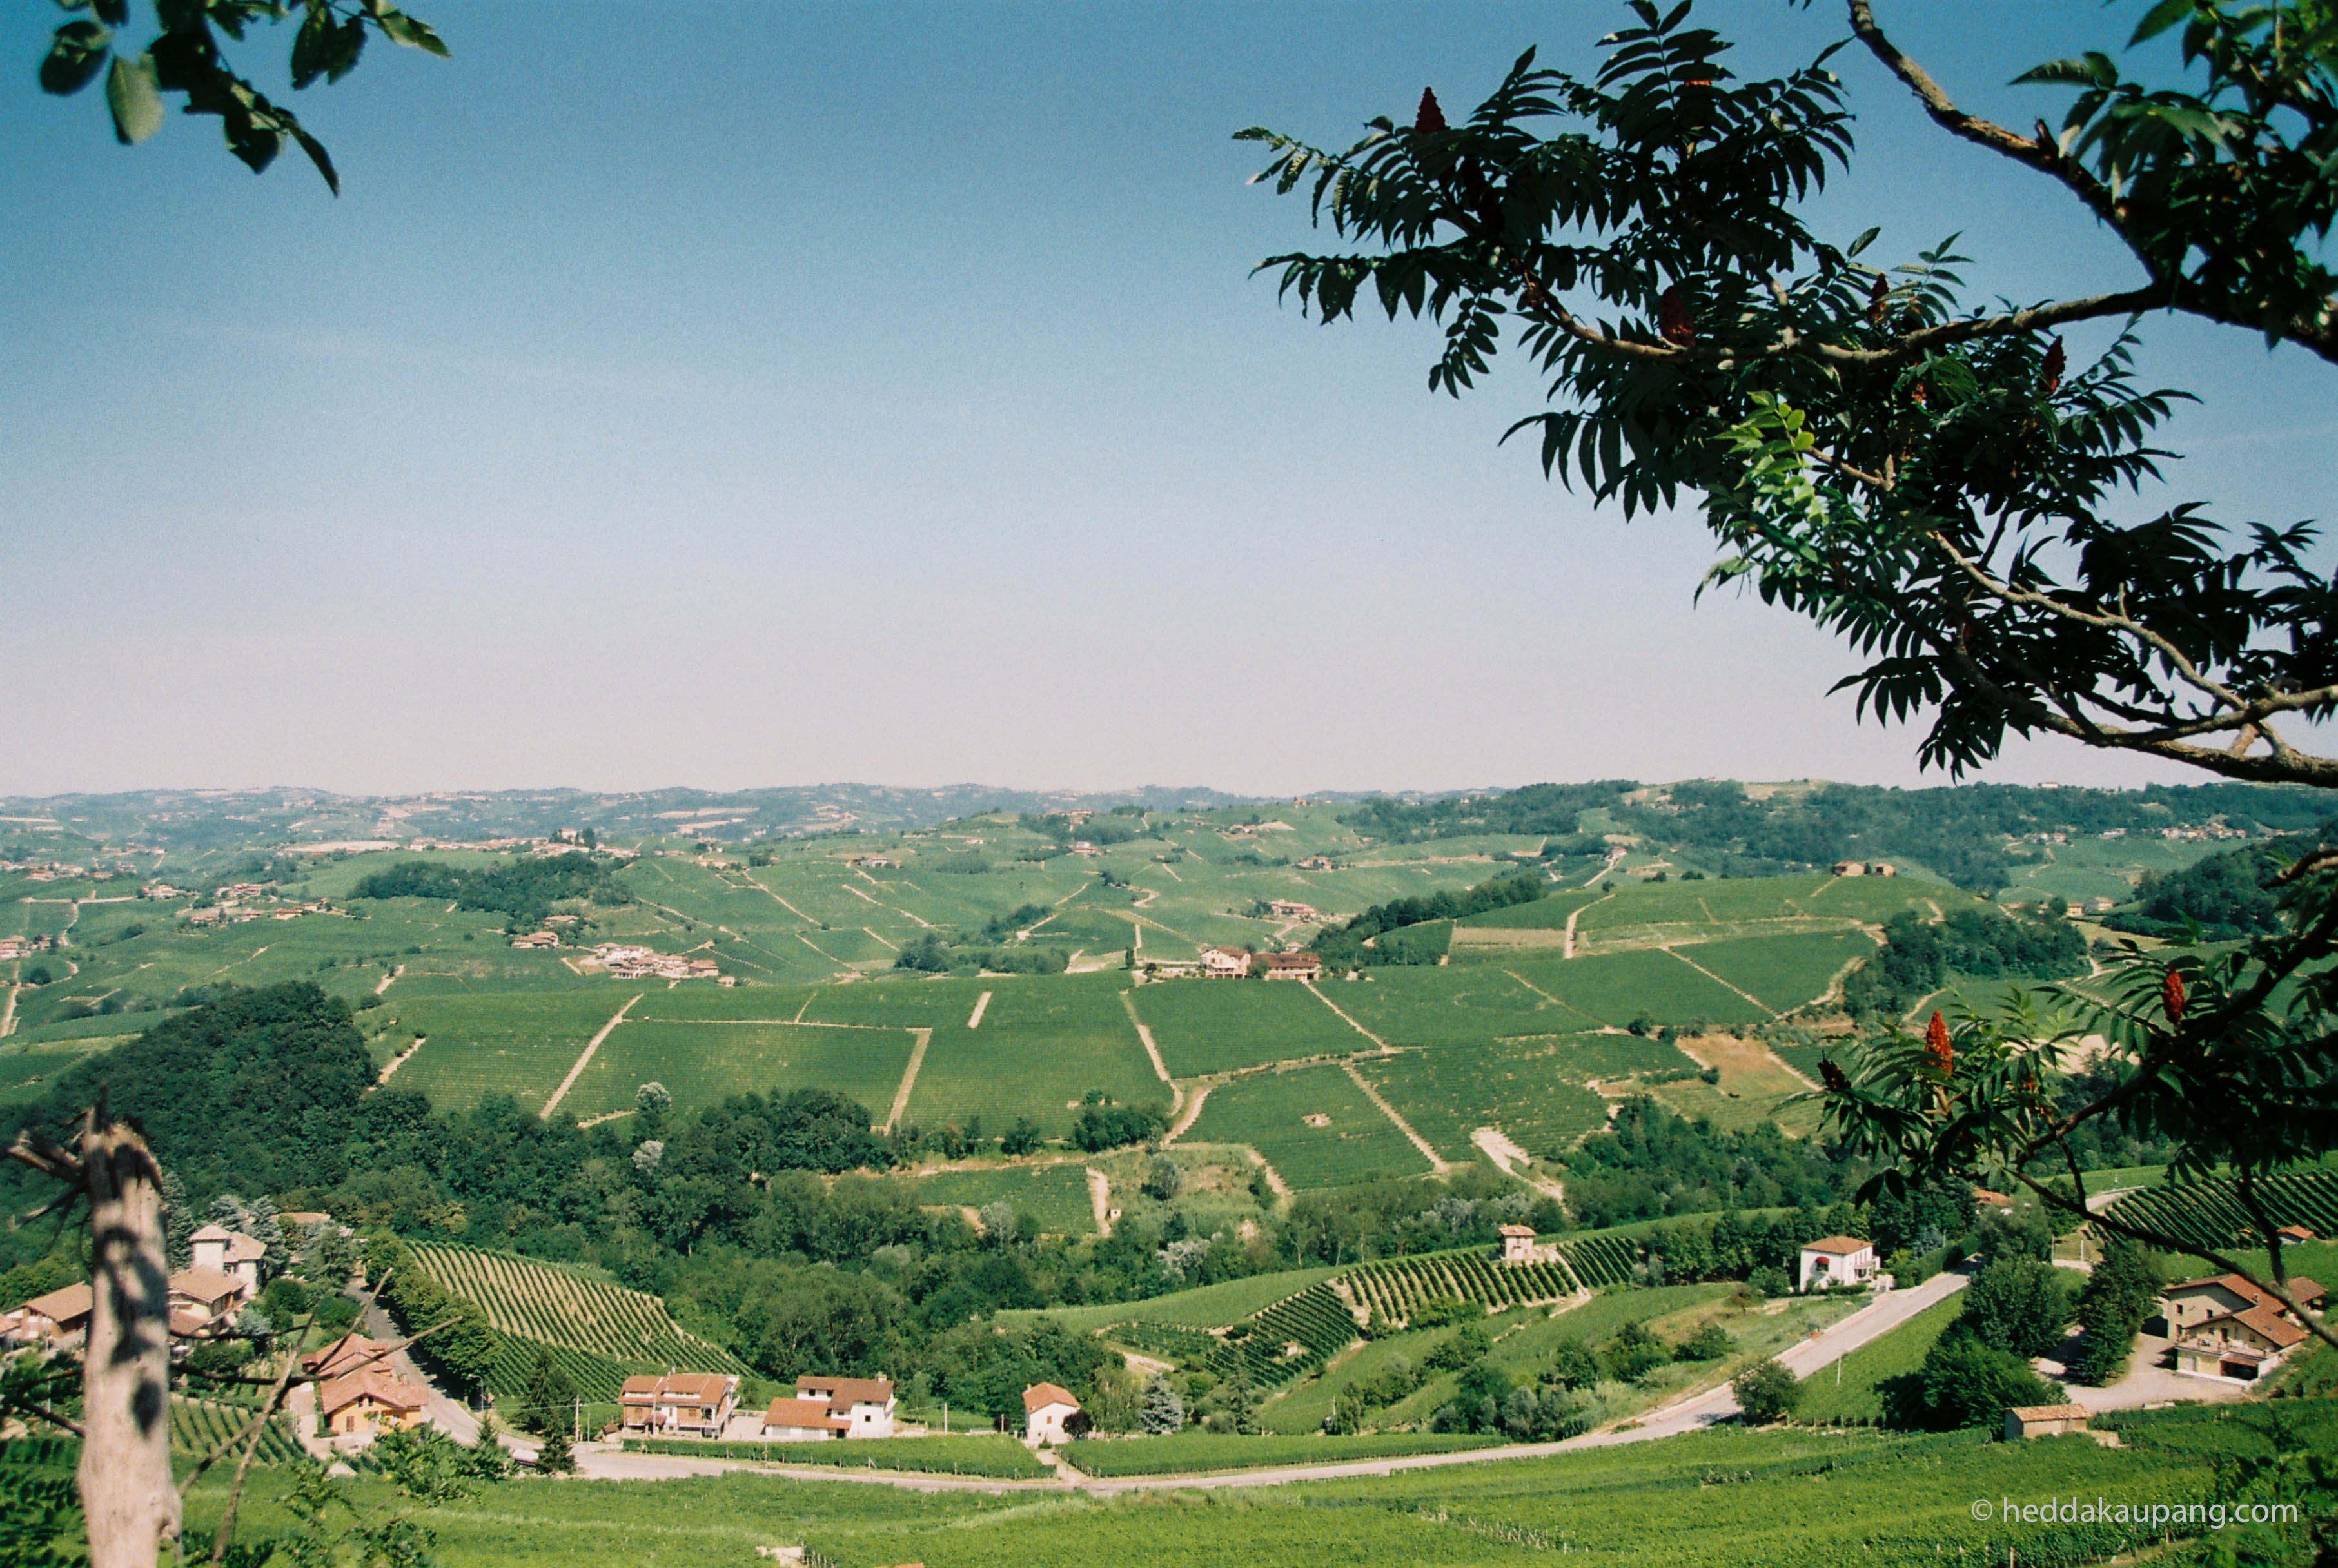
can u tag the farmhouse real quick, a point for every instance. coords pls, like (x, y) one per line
(2225, 1327)
(537, 939)
(229, 1252)
(802, 1421)
(698, 1402)
(2043, 1421)
(1517, 1243)
(1284, 909)
(1293, 965)
(207, 1293)
(1849, 869)
(1832, 1263)
(1045, 1409)
(55, 1316)
(371, 1402)
(1314, 863)
(1225, 962)
(865, 1404)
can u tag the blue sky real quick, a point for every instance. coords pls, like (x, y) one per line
(733, 396)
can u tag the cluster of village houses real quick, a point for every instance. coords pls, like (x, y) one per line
(2216, 1327)
(1237, 964)
(23, 946)
(357, 1393)
(821, 1409)
(629, 961)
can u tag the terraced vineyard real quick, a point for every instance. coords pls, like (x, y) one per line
(599, 1333)
(1395, 1287)
(2210, 1213)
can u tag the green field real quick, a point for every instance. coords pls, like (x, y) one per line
(1785, 972)
(521, 1045)
(701, 1064)
(1199, 1453)
(1269, 1112)
(1614, 989)
(1521, 1086)
(1205, 1026)
(1456, 1005)
(1725, 1498)
(1847, 1391)
(1044, 1198)
(997, 1456)
(1042, 1046)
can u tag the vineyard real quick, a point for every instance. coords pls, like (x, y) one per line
(200, 1426)
(1000, 1457)
(1394, 1287)
(2210, 1214)
(1197, 1453)
(599, 1334)
(1290, 1339)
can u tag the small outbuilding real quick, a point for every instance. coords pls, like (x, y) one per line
(2043, 1421)
(1517, 1243)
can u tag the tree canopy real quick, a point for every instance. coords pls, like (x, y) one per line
(1934, 478)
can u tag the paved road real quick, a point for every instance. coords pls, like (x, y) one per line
(1878, 1317)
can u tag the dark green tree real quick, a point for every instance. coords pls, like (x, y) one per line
(2019, 1306)
(1932, 477)
(1765, 1393)
(184, 56)
(2122, 1291)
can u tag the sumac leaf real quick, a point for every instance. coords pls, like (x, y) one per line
(77, 52)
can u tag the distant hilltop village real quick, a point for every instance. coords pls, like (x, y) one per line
(627, 961)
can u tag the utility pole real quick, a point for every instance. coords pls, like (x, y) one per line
(577, 1419)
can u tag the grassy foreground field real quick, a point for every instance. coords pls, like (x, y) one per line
(1726, 1498)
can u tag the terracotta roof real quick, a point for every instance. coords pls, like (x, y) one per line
(383, 1389)
(1837, 1246)
(806, 1412)
(2049, 1411)
(212, 1233)
(205, 1285)
(1293, 961)
(640, 1390)
(65, 1306)
(1517, 1229)
(700, 1386)
(244, 1249)
(186, 1325)
(350, 1350)
(1039, 1395)
(2266, 1319)
(843, 1393)
(2303, 1288)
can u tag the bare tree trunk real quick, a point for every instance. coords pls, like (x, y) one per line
(126, 1489)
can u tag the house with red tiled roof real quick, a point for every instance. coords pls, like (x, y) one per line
(694, 1402)
(2225, 1327)
(1046, 1407)
(1832, 1262)
(209, 1293)
(803, 1421)
(55, 1316)
(1293, 965)
(865, 1404)
(371, 1402)
(351, 1352)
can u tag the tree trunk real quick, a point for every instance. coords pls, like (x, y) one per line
(126, 1489)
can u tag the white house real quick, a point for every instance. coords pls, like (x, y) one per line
(1225, 962)
(210, 1294)
(2043, 1421)
(865, 1404)
(802, 1421)
(1517, 1243)
(1045, 1409)
(1832, 1263)
(2225, 1327)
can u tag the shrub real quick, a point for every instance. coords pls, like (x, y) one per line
(1765, 1393)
